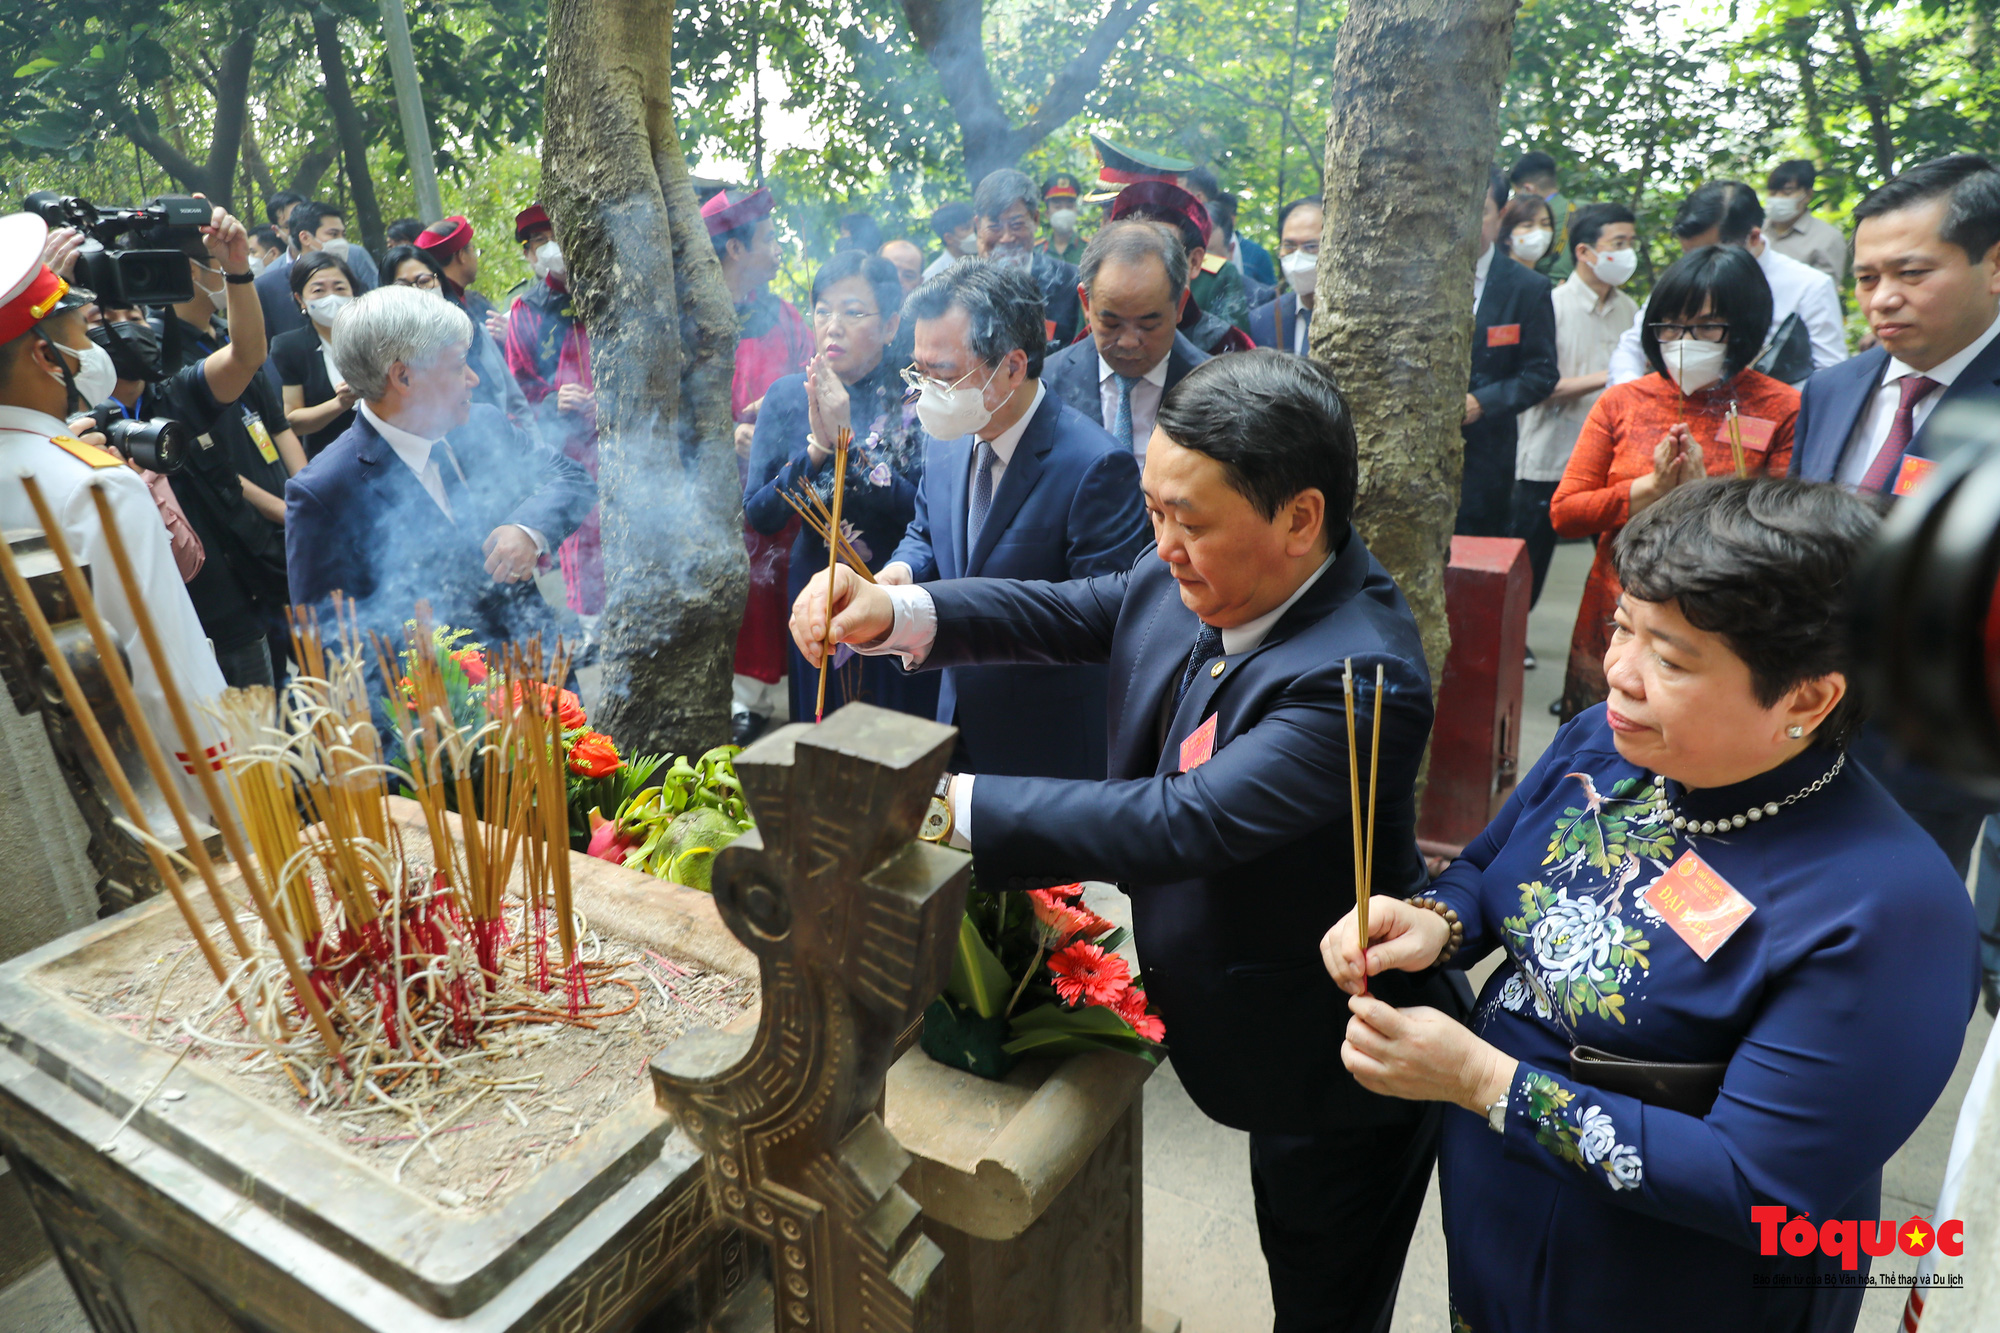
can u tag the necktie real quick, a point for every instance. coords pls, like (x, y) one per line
(983, 459)
(1882, 472)
(1121, 429)
(1207, 644)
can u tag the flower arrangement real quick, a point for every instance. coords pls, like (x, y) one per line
(674, 828)
(596, 775)
(1037, 973)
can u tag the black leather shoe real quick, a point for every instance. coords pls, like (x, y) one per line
(746, 727)
(1555, 708)
(1989, 991)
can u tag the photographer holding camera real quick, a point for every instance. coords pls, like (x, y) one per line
(50, 369)
(238, 452)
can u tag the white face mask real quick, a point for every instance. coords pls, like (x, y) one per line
(214, 293)
(1693, 364)
(1784, 208)
(257, 266)
(1531, 246)
(324, 308)
(1616, 266)
(95, 376)
(337, 247)
(968, 244)
(549, 261)
(948, 413)
(1062, 220)
(1301, 271)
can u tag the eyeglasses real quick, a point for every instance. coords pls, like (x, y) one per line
(850, 316)
(917, 381)
(1707, 333)
(1310, 248)
(425, 280)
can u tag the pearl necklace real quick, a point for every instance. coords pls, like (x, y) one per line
(1755, 813)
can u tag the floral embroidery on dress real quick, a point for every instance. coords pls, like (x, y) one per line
(1584, 954)
(1586, 1137)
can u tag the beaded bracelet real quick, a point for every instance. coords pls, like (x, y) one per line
(1457, 938)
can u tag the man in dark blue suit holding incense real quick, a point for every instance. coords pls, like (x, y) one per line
(1226, 815)
(425, 497)
(1927, 276)
(1016, 485)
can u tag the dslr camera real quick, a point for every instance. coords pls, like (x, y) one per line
(158, 445)
(126, 276)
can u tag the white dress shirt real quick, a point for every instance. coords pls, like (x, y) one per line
(1588, 328)
(1004, 445)
(1480, 268)
(915, 630)
(1146, 396)
(1795, 288)
(420, 456)
(1871, 431)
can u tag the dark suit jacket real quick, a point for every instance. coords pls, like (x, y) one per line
(1263, 322)
(1237, 868)
(1511, 373)
(1832, 401)
(1067, 507)
(357, 520)
(1061, 306)
(1072, 373)
(1830, 407)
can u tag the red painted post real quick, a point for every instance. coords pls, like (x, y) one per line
(1475, 742)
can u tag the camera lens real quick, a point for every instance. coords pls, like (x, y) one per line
(158, 446)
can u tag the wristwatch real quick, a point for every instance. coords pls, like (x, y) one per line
(938, 823)
(1496, 1114)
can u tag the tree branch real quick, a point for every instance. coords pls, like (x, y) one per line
(347, 123)
(1066, 95)
(232, 112)
(176, 163)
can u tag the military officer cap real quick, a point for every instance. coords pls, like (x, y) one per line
(29, 290)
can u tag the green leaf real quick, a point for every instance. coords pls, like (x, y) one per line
(36, 66)
(1115, 940)
(978, 981)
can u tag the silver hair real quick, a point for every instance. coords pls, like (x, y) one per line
(1128, 242)
(391, 324)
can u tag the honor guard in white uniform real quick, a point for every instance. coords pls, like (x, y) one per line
(50, 370)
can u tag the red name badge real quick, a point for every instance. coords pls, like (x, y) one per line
(1197, 749)
(1503, 335)
(1050, 325)
(1755, 432)
(1702, 907)
(1912, 471)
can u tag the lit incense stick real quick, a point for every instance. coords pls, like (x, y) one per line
(841, 439)
(1367, 885)
(1736, 443)
(1354, 799)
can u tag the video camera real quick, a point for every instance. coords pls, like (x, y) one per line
(127, 277)
(1926, 606)
(160, 445)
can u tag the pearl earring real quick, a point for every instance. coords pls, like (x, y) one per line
(1795, 732)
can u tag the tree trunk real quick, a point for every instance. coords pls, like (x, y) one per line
(347, 123)
(1799, 34)
(214, 177)
(319, 155)
(1881, 136)
(949, 32)
(663, 340)
(1416, 96)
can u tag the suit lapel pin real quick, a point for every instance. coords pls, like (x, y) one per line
(1216, 670)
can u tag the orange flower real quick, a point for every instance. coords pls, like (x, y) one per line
(1131, 1007)
(1085, 974)
(593, 755)
(569, 708)
(1063, 918)
(473, 663)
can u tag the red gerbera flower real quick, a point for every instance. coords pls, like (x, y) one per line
(473, 663)
(1131, 1007)
(1085, 974)
(593, 755)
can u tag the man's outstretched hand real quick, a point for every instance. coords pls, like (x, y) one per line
(862, 612)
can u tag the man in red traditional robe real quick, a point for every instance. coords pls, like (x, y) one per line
(772, 342)
(548, 351)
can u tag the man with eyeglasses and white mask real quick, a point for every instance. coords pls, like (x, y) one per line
(1017, 485)
(1286, 322)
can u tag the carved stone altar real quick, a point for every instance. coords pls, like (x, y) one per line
(218, 1213)
(851, 920)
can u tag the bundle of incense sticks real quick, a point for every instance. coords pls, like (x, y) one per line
(841, 440)
(1736, 443)
(810, 508)
(377, 953)
(1364, 832)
